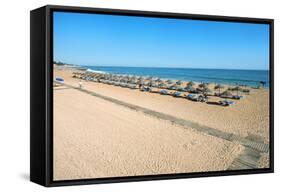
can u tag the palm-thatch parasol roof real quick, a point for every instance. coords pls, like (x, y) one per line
(237, 89)
(169, 81)
(190, 88)
(227, 93)
(190, 83)
(206, 90)
(219, 87)
(179, 82)
(203, 85)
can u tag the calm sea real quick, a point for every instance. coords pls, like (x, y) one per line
(223, 76)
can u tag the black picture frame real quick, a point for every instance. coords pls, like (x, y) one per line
(41, 94)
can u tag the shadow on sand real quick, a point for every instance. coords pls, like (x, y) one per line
(24, 176)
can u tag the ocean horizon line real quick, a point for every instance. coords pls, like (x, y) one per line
(155, 67)
(179, 68)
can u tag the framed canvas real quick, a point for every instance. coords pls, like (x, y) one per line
(125, 95)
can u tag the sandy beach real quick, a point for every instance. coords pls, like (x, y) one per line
(95, 138)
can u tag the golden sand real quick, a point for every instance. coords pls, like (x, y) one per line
(96, 138)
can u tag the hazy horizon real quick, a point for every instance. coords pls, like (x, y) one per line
(170, 67)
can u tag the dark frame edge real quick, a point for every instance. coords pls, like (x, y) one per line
(193, 175)
(38, 135)
(271, 104)
(160, 14)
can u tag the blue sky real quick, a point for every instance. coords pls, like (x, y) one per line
(106, 40)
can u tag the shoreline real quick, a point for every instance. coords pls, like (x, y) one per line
(86, 68)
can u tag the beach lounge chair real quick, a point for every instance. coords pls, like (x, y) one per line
(177, 94)
(202, 98)
(145, 88)
(110, 82)
(226, 103)
(123, 84)
(237, 97)
(162, 85)
(132, 86)
(199, 98)
(181, 89)
(221, 103)
(163, 92)
(190, 89)
(59, 80)
(173, 87)
(199, 90)
(230, 96)
(192, 97)
(127, 85)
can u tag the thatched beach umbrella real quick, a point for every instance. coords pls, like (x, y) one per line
(151, 83)
(227, 93)
(206, 90)
(158, 80)
(237, 89)
(161, 81)
(161, 85)
(190, 88)
(173, 87)
(148, 78)
(190, 83)
(219, 87)
(140, 81)
(134, 80)
(179, 82)
(169, 81)
(203, 85)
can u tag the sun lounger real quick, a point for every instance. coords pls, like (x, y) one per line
(199, 98)
(164, 92)
(192, 97)
(176, 94)
(237, 97)
(132, 86)
(181, 89)
(172, 87)
(221, 103)
(231, 96)
(226, 103)
(123, 84)
(145, 89)
(59, 80)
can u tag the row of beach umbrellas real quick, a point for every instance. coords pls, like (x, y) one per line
(156, 82)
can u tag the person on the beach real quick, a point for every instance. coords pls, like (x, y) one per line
(80, 85)
(206, 97)
(140, 85)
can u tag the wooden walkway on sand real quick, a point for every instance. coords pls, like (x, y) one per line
(247, 160)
